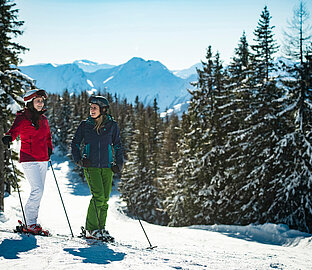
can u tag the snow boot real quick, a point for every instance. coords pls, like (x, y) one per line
(102, 235)
(35, 229)
(94, 234)
(107, 237)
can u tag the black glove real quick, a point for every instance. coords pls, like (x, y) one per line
(7, 139)
(84, 162)
(116, 168)
(49, 152)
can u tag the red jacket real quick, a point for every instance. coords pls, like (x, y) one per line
(34, 143)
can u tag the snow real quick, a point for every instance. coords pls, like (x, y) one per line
(111, 77)
(195, 247)
(90, 83)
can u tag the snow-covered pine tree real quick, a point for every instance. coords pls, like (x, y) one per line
(265, 130)
(169, 155)
(264, 48)
(176, 202)
(137, 186)
(205, 146)
(194, 177)
(292, 183)
(298, 34)
(63, 123)
(240, 87)
(75, 117)
(155, 140)
(12, 83)
(213, 156)
(158, 167)
(126, 123)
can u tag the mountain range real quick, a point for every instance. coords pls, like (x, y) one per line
(137, 77)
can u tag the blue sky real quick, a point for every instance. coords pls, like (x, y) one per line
(174, 32)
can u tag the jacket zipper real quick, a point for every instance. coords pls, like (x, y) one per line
(30, 144)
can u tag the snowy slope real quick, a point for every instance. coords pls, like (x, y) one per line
(197, 247)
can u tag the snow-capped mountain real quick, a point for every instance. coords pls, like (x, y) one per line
(137, 77)
(90, 66)
(57, 78)
(187, 73)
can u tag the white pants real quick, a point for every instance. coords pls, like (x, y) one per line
(35, 173)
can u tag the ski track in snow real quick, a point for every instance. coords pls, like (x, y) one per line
(196, 247)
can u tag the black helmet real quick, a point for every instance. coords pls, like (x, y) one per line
(99, 100)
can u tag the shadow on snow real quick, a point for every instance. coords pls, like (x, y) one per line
(96, 254)
(75, 185)
(10, 248)
(269, 233)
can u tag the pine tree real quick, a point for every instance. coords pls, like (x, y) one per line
(64, 123)
(263, 132)
(138, 187)
(298, 37)
(264, 48)
(204, 146)
(12, 82)
(240, 87)
(176, 202)
(292, 182)
(200, 111)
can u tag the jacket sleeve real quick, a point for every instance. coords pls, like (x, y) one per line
(75, 145)
(49, 137)
(16, 127)
(118, 151)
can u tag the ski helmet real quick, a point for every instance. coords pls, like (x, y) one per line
(101, 101)
(34, 93)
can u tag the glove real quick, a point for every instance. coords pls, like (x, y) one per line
(49, 152)
(84, 162)
(7, 139)
(116, 168)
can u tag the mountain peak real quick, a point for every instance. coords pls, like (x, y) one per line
(85, 62)
(140, 62)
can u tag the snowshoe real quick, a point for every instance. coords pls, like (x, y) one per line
(107, 237)
(102, 235)
(34, 229)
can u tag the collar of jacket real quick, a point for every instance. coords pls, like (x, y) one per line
(29, 113)
(91, 121)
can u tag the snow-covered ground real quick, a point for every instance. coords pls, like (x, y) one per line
(196, 247)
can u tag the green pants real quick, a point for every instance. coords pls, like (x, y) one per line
(100, 184)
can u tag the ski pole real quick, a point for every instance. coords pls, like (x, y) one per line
(96, 211)
(61, 199)
(19, 195)
(150, 247)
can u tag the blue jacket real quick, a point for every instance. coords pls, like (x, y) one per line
(99, 148)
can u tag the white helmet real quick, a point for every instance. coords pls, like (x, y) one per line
(34, 93)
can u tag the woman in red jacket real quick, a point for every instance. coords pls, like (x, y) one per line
(36, 147)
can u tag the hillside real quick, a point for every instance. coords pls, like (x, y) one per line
(196, 247)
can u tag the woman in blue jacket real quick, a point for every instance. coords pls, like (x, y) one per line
(102, 155)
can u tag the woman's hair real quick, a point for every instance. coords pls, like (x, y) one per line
(34, 114)
(99, 122)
